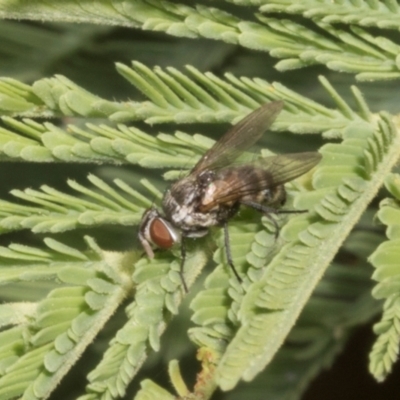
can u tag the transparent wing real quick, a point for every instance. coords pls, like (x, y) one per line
(239, 138)
(232, 184)
(286, 167)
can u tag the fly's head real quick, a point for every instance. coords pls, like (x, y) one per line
(158, 231)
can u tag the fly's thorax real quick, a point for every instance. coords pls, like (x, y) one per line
(184, 214)
(184, 192)
(225, 213)
(178, 202)
(205, 178)
(210, 193)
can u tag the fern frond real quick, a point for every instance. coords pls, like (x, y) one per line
(212, 100)
(97, 144)
(150, 390)
(174, 97)
(55, 331)
(49, 98)
(158, 295)
(298, 45)
(340, 301)
(386, 262)
(382, 14)
(54, 211)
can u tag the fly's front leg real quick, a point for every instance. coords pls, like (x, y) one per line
(183, 259)
(228, 252)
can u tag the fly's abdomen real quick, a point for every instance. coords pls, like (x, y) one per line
(259, 187)
(241, 184)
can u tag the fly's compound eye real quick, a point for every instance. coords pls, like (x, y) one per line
(163, 234)
(157, 231)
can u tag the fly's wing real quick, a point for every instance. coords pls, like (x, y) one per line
(286, 167)
(232, 184)
(239, 138)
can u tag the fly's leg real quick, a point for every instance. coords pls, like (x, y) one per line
(228, 252)
(183, 259)
(269, 212)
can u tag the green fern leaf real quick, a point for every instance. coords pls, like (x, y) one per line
(385, 260)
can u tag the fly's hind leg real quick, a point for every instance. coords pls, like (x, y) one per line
(269, 212)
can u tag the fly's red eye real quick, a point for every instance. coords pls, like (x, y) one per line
(160, 234)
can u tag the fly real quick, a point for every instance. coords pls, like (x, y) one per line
(215, 188)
